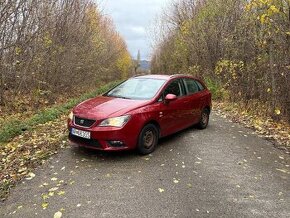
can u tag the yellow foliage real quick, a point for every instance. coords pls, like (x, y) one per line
(18, 50)
(273, 9)
(47, 40)
(264, 19)
(124, 64)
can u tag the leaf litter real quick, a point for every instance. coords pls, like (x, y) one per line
(29, 150)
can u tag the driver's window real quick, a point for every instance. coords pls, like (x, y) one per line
(174, 88)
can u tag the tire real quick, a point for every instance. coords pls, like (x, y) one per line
(148, 139)
(204, 119)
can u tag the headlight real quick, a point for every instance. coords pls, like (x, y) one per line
(116, 121)
(71, 116)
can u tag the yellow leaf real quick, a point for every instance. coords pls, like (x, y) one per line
(161, 190)
(61, 193)
(277, 111)
(45, 196)
(53, 189)
(31, 176)
(263, 18)
(274, 9)
(44, 205)
(57, 215)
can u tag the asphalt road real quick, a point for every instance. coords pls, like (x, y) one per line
(223, 171)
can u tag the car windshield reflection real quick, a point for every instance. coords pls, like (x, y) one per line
(137, 89)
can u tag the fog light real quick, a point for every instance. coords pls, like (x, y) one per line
(116, 143)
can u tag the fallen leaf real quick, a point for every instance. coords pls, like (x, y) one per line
(53, 189)
(53, 179)
(58, 214)
(282, 170)
(31, 176)
(61, 193)
(51, 194)
(44, 205)
(277, 111)
(44, 196)
(161, 190)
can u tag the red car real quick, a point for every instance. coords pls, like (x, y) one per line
(139, 111)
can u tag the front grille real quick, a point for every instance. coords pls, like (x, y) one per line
(84, 122)
(88, 142)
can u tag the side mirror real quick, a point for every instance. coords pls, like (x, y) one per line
(170, 97)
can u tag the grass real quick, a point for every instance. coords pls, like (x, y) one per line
(14, 127)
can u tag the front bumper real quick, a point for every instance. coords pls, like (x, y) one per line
(103, 138)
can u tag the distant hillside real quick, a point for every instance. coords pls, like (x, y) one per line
(145, 65)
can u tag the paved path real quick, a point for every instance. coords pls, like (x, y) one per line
(223, 171)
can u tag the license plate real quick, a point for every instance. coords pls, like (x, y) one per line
(81, 133)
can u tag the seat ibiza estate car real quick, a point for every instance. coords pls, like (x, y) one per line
(139, 111)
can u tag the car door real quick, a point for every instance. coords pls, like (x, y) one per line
(193, 99)
(172, 114)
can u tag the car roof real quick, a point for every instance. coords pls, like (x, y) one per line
(165, 77)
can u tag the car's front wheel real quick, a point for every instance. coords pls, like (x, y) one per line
(148, 139)
(204, 119)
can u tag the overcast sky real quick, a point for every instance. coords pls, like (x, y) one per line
(133, 19)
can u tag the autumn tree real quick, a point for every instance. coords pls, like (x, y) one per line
(51, 49)
(243, 45)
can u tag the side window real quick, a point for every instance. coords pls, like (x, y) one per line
(175, 88)
(191, 86)
(200, 86)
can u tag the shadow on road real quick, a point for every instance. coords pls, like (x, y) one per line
(81, 152)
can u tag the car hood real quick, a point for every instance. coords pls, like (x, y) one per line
(103, 107)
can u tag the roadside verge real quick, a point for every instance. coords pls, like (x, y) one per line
(26, 144)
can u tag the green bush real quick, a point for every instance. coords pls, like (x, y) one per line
(218, 92)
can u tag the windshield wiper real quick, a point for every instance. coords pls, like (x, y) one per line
(118, 96)
(123, 97)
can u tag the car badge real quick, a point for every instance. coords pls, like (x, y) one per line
(82, 121)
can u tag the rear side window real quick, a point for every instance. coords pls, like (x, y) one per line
(191, 86)
(200, 86)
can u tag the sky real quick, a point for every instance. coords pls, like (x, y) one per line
(133, 20)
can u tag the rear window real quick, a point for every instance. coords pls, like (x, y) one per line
(191, 86)
(200, 86)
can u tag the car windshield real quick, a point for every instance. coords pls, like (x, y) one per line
(137, 89)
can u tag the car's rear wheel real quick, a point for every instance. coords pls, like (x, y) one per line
(204, 119)
(148, 139)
